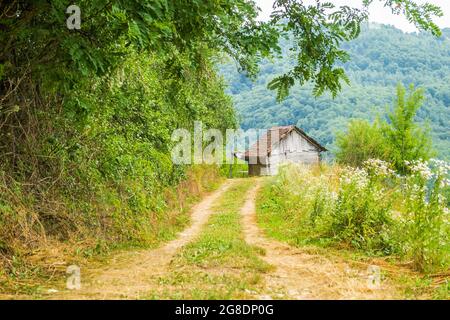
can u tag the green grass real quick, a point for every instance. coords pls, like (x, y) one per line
(283, 224)
(423, 287)
(219, 264)
(279, 221)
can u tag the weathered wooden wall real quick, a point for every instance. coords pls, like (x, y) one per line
(294, 148)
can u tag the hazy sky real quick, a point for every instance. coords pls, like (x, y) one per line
(377, 12)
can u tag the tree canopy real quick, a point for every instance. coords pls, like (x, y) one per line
(319, 30)
(34, 35)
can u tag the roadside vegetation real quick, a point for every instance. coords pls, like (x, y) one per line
(370, 211)
(386, 196)
(27, 272)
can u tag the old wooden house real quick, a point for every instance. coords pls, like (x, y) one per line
(281, 145)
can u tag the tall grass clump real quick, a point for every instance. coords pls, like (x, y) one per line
(422, 230)
(297, 203)
(360, 215)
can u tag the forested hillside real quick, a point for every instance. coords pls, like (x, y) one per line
(380, 58)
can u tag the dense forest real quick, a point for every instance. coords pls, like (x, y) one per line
(380, 58)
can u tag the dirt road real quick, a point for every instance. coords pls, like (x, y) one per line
(132, 274)
(296, 273)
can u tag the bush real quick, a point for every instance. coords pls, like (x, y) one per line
(396, 139)
(360, 216)
(423, 229)
(361, 142)
(292, 205)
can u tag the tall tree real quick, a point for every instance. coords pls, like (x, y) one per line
(406, 138)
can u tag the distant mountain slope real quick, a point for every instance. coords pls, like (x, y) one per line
(380, 58)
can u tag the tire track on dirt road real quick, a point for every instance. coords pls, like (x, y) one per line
(130, 275)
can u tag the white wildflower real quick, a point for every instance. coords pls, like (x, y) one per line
(356, 176)
(379, 167)
(333, 195)
(422, 168)
(441, 199)
(444, 183)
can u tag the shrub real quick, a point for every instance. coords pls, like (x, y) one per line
(397, 139)
(361, 141)
(361, 213)
(370, 208)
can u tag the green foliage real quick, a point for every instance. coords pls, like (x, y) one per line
(86, 116)
(421, 15)
(396, 140)
(319, 29)
(159, 26)
(292, 207)
(423, 233)
(317, 35)
(406, 139)
(361, 141)
(370, 209)
(237, 169)
(361, 213)
(95, 166)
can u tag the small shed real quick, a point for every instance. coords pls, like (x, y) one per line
(280, 145)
